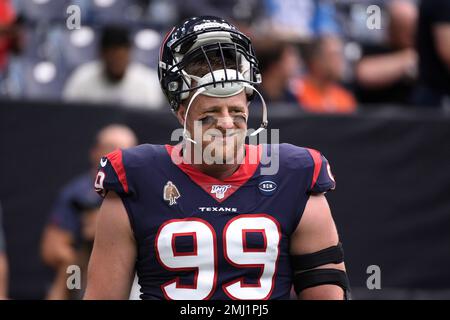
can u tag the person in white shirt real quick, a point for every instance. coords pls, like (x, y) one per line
(114, 79)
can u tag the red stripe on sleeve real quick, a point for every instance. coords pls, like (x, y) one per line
(115, 158)
(317, 165)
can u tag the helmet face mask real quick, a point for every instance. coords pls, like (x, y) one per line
(197, 41)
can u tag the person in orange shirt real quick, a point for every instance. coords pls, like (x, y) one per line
(319, 90)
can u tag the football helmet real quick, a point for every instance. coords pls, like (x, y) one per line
(196, 40)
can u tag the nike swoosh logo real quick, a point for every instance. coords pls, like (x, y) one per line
(103, 162)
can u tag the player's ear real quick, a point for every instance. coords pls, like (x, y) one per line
(181, 114)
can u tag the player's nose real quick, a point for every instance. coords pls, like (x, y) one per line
(225, 121)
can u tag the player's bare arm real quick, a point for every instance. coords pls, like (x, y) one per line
(111, 267)
(315, 232)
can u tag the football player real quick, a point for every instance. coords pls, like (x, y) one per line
(68, 236)
(216, 226)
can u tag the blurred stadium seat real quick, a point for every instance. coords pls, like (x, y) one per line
(112, 11)
(77, 46)
(43, 10)
(46, 80)
(146, 47)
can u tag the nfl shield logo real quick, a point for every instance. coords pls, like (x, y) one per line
(220, 190)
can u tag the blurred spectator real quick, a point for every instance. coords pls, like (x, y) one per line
(7, 17)
(243, 13)
(69, 235)
(3, 263)
(279, 63)
(387, 73)
(13, 75)
(320, 90)
(162, 13)
(114, 79)
(300, 19)
(11, 49)
(434, 53)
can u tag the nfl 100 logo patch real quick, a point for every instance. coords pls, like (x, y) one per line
(220, 190)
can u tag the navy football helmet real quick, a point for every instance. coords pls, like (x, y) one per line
(198, 39)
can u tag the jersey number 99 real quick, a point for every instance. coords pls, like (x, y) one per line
(202, 259)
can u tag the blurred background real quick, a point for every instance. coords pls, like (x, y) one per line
(365, 82)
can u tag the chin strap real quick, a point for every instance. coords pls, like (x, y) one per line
(201, 90)
(195, 95)
(264, 122)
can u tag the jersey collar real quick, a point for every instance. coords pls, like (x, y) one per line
(219, 190)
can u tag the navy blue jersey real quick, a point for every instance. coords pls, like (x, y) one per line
(203, 238)
(75, 198)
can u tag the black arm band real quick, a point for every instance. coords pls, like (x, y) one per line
(317, 277)
(333, 254)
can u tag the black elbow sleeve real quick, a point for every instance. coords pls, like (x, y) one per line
(305, 276)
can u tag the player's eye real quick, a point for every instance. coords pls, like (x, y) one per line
(241, 118)
(238, 116)
(207, 120)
